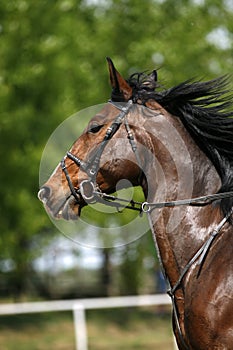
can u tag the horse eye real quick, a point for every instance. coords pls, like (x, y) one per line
(94, 128)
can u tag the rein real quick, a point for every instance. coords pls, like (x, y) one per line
(89, 191)
(93, 194)
(199, 256)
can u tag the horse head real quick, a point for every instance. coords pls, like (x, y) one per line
(90, 165)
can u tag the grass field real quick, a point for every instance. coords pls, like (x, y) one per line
(114, 329)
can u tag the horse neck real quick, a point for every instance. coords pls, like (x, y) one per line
(178, 170)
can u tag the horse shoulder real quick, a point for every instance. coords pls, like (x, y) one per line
(209, 298)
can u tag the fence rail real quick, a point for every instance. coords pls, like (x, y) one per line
(79, 306)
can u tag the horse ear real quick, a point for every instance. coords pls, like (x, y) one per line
(121, 89)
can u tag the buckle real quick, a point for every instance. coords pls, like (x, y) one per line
(87, 190)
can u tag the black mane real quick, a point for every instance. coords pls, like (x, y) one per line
(205, 108)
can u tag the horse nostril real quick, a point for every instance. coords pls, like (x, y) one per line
(44, 194)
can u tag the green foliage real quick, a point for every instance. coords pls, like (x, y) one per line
(52, 63)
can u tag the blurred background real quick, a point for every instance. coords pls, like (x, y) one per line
(52, 64)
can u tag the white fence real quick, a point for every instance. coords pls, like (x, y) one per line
(78, 306)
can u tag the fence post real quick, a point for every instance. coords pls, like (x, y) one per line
(80, 327)
(175, 344)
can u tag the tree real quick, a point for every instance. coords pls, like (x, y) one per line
(32, 78)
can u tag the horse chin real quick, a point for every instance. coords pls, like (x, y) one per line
(68, 209)
(71, 210)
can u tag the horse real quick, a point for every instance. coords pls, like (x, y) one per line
(177, 145)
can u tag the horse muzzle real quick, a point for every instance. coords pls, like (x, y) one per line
(60, 205)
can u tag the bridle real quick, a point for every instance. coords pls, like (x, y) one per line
(89, 191)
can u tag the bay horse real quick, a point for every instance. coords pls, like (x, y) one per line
(177, 144)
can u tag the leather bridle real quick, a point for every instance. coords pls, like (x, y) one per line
(89, 191)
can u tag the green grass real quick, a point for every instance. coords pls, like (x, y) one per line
(114, 329)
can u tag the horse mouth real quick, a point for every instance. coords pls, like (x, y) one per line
(67, 209)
